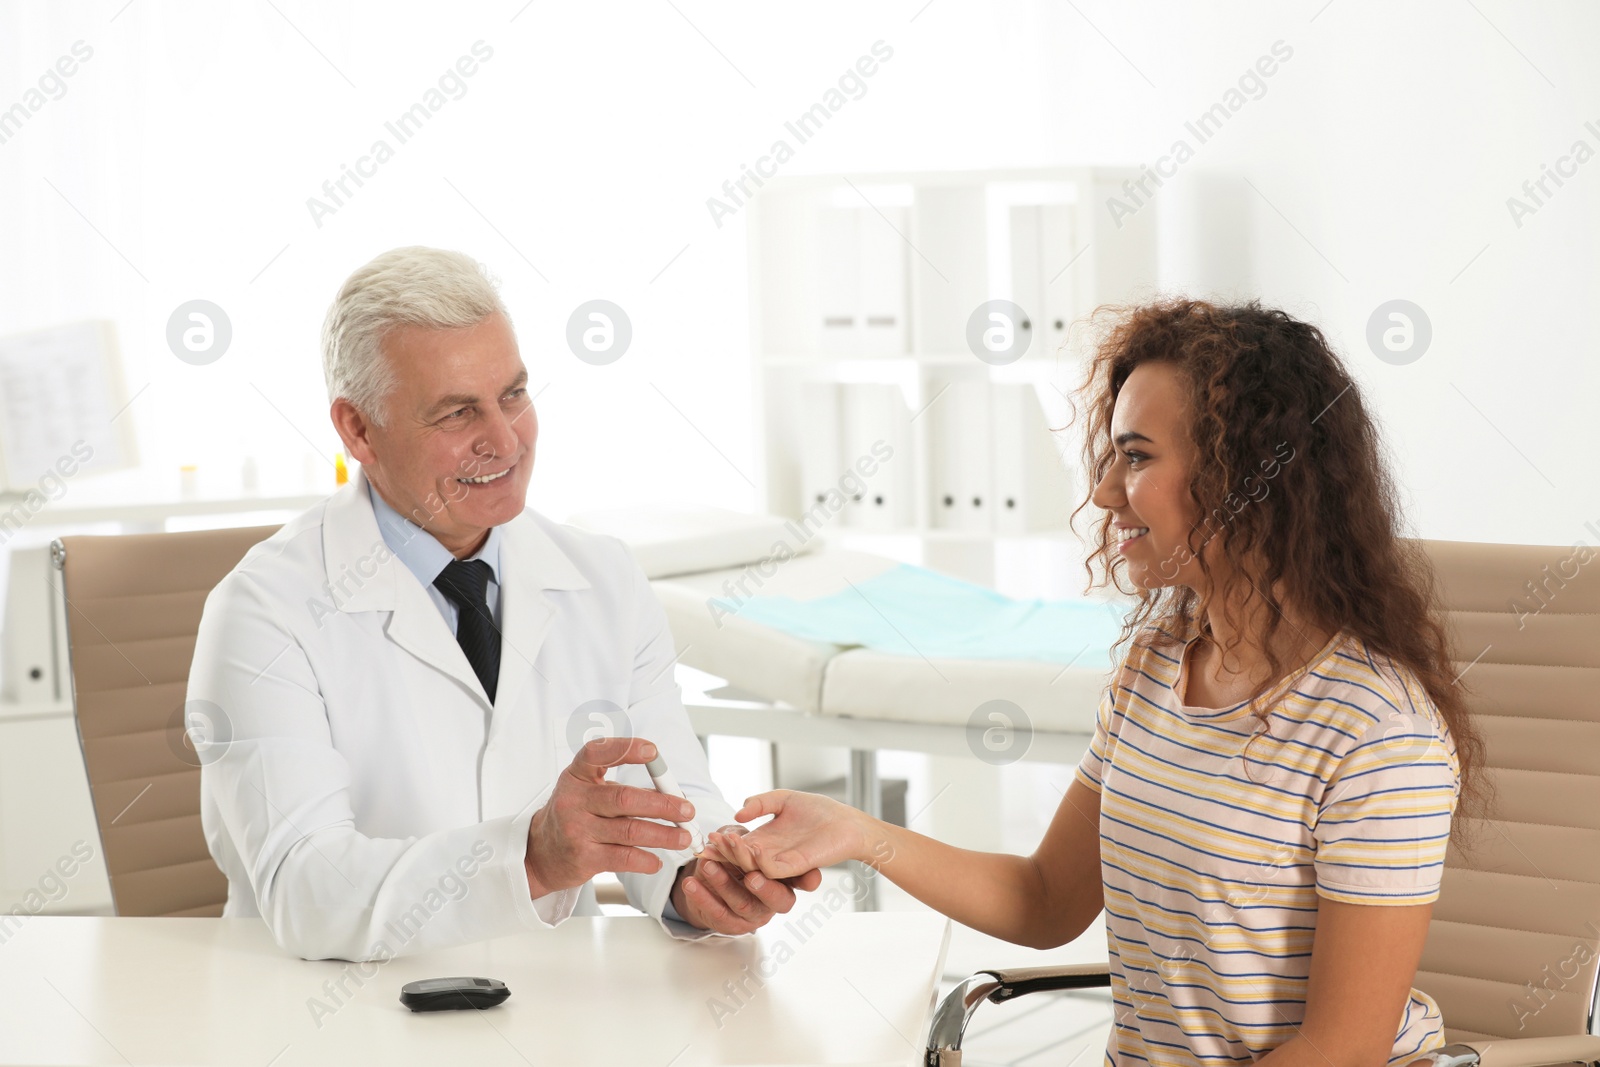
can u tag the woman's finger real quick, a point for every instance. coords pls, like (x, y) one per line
(715, 850)
(762, 804)
(744, 852)
(719, 846)
(806, 883)
(788, 863)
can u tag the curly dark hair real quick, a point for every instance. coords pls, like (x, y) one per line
(1327, 533)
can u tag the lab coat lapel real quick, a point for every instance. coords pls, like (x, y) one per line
(364, 575)
(420, 628)
(531, 563)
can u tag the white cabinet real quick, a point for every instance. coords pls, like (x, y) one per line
(50, 858)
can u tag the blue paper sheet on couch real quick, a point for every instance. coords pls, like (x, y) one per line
(917, 612)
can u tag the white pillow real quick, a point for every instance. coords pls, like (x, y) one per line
(670, 540)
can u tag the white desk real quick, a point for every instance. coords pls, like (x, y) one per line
(858, 990)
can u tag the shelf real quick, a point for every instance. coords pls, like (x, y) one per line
(844, 303)
(939, 534)
(145, 511)
(926, 359)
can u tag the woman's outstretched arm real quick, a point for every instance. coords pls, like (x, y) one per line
(1042, 900)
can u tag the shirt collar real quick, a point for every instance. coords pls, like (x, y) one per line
(419, 550)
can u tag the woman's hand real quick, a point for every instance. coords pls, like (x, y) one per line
(807, 832)
(720, 849)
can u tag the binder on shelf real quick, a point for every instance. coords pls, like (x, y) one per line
(33, 658)
(882, 272)
(874, 412)
(1058, 245)
(838, 280)
(861, 281)
(1042, 247)
(856, 417)
(961, 457)
(977, 456)
(820, 463)
(1032, 487)
(1027, 281)
(943, 443)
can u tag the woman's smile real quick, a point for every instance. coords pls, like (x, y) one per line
(1128, 535)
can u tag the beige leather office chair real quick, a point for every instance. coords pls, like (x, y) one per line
(133, 607)
(1514, 946)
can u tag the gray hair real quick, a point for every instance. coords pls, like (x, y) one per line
(412, 286)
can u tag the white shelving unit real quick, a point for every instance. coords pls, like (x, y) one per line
(863, 296)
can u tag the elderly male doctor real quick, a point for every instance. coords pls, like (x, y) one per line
(403, 674)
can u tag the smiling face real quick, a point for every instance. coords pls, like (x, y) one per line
(1147, 484)
(455, 450)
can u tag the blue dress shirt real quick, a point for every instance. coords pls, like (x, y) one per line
(426, 558)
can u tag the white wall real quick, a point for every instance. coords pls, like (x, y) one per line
(1381, 156)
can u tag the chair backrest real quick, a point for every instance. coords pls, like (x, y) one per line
(133, 608)
(1515, 941)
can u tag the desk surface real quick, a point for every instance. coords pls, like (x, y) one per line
(845, 988)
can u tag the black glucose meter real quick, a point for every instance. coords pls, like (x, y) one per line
(453, 994)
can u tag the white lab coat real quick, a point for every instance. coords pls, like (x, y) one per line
(359, 790)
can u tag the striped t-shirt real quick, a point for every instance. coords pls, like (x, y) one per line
(1214, 852)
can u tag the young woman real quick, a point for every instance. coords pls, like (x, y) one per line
(1274, 770)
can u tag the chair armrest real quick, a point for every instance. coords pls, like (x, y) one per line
(1020, 981)
(1520, 1052)
(951, 1017)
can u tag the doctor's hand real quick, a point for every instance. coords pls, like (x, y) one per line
(716, 895)
(592, 825)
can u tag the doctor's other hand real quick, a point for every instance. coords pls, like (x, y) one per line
(591, 825)
(807, 832)
(719, 847)
(716, 895)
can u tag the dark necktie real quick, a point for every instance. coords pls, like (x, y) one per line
(466, 583)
